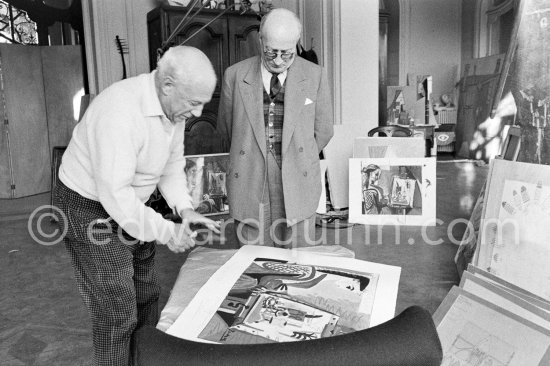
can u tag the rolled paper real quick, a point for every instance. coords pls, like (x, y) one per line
(508, 208)
(524, 194)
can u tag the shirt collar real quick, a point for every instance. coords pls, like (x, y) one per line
(151, 103)
(266, 76)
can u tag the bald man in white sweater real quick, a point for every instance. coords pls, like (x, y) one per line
(129, 142)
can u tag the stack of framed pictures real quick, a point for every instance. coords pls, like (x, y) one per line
(489, 321)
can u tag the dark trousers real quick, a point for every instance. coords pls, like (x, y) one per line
(115, 275)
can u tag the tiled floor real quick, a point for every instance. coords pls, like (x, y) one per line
(43, 321)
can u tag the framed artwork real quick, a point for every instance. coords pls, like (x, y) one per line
(512, 144)
(512, 243)
(398, 191)
(265, 295)
(207, 182)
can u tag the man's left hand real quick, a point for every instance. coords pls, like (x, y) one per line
(189, 217)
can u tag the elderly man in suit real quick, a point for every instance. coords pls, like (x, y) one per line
(276, 111)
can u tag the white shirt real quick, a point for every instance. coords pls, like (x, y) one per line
(124, 147)
(266, 78)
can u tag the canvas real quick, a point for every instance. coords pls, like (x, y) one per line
(206, 181)
(264, 295)
(398, 191)
(513, 237)
(389, 147)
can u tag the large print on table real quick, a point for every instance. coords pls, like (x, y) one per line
(206, 182)
(398, 191)
(264, 295)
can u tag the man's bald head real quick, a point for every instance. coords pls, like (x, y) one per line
(280, 31)
(187, 65)
(185, 81)
(281, 24)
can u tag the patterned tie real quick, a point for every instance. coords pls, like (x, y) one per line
(274, 85)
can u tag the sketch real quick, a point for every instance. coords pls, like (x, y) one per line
(392, 188)
(520, 252)
(476, 332)
(279, 301)
(474, 346)
(206, 181)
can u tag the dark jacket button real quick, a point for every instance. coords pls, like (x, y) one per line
(236, 175)
(241, 152)
(301, 149)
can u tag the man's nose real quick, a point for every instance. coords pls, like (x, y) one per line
(197, 111)
(278, 60)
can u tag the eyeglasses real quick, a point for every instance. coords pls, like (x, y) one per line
(272, 54)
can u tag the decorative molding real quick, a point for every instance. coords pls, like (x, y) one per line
(334, 55)
(91, 62)
(404, 39)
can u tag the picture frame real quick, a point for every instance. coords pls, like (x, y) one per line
(394, 191)
(512, 144)
(207, 182)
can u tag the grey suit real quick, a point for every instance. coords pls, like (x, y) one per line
(307, 128)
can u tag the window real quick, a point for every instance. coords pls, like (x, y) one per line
(16, 26)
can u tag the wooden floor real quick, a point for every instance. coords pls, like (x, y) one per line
(44, 322)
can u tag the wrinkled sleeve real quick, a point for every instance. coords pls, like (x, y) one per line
(115, 141)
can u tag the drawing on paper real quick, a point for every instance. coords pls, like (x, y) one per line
(475, 347)
(278, 301)
(519, 253)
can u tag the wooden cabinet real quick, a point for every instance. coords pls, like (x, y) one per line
(229, 39)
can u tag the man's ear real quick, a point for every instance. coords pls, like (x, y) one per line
(166, 85)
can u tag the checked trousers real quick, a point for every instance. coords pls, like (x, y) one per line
(115, 275)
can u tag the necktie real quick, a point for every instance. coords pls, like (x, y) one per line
(274, 85)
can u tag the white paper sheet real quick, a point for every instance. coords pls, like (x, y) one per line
(521, 252)
(207, 302)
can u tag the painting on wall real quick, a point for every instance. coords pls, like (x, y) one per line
(207, 182)
(265, 295)
(397, 191)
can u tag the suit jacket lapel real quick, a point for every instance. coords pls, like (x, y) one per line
(251, 88)
(294, 101)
